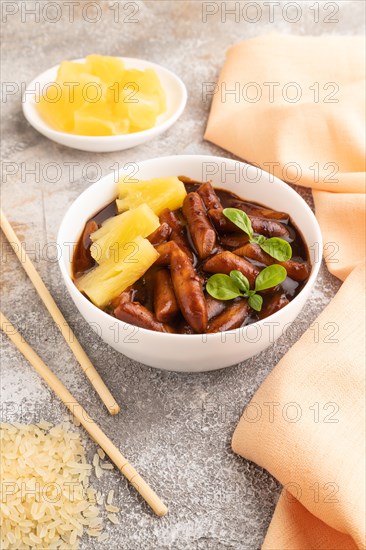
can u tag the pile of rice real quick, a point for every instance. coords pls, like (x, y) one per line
(46, 500)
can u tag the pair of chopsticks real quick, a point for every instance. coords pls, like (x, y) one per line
(56, 385)
(57, 316)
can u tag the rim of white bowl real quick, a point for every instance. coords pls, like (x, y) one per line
(41, 126)
(315, 266)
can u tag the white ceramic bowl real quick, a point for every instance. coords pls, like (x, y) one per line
(176, 95)
(181, 352)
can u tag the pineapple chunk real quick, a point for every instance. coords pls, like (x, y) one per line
(158, 193)
(59, 110)
(62, 118)
(119, 230)
(97, 119)
(109, 69)
(143, 114)
(112, 277)
(71, 71)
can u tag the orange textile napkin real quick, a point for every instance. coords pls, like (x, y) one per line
(295, 106)
(306, 426)
(306, 422)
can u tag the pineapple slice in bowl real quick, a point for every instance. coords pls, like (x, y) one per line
(115, 232)
(113, 276)
(158, 193)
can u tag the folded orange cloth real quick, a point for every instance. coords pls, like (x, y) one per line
(307, 126)
(295, 106)
(306, 425)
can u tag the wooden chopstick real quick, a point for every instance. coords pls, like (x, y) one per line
(80, 413)
(59, 319)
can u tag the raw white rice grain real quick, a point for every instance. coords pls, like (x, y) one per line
(113, 519)
(98, 472)
(101, 453)
(93, 533)
(111, 508)
(96, 523)
(11, 537)
(73, 538)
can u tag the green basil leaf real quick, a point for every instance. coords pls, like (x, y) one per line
(240, 280)
(259, 239)
(222, 287)
(270, 276)
(277, 248)
(255, 302)
(240, 219)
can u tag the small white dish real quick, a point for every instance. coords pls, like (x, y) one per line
(176, 96)
(191, 352)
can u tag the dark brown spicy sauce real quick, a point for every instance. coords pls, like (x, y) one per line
(143, 289)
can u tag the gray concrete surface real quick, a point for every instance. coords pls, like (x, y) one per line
(174, 428)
